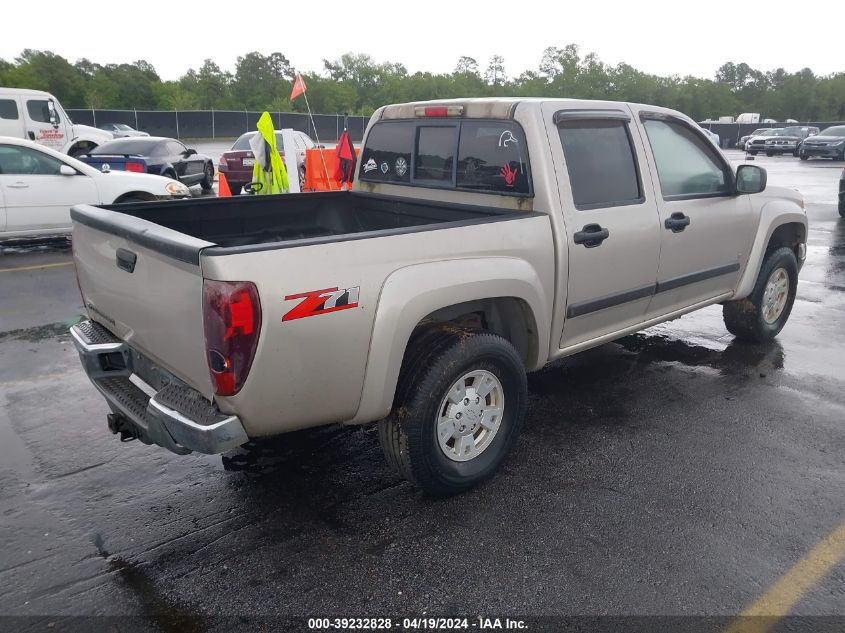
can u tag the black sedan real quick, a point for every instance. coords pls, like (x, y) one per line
(154, 155)
(830, 143)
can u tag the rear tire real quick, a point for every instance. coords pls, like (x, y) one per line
(762, 315)
(443, 439)
(753, 153)
(207, 182)
(803, 157)
(770, 153)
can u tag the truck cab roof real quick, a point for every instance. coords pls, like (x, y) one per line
(502, 107)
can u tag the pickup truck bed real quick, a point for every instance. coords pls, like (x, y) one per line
(268, 221)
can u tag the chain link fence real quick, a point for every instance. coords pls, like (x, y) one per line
(224, 124)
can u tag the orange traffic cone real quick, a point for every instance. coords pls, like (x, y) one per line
(223, 190)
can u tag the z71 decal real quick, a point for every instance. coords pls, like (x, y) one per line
(322, 301)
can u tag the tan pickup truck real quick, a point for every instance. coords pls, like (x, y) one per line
(483, 239)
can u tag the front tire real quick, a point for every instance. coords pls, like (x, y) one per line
(762, 315)
(804, 157)
(459, 406)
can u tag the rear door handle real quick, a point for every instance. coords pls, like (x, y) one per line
(591, 235)
(677, 222)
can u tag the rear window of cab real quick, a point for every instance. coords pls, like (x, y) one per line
(491, 155)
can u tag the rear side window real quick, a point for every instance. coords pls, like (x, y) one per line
(491, 155)
(601, 163)
(387, 155)
(8, 109)
(39, 111)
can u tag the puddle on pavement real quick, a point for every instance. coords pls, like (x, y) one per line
(14, 455)
(22, 247)
(41, 332)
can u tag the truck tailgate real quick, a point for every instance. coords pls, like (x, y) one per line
(149, 298)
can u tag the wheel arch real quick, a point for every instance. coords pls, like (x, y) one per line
(79, 143)
(504, 295)
(786, 226)
(143, 195)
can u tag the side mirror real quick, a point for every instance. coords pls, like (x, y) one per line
(190, 152)
(67, 170)
(750, 179)
(54, 118)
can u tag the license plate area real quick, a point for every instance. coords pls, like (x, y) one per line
(249, 162)
(150, 373)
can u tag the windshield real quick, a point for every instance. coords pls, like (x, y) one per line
(142, 147)
(123, 126)
(761, 131)
(836, 130)
(242, 144)
(792, 131)
(775, 132)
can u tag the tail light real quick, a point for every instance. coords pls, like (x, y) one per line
(231, 316)
(138, 168)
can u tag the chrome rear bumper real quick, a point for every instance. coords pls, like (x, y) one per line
(176, 417)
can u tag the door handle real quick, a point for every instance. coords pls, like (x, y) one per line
(591, 235)
(31, 135)
(677, 222)
(18, 185)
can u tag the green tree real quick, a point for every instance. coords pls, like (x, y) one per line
(44, 70)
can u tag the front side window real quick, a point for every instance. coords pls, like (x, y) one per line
(601, 163)
(39, 111)
(27, 161)
(8, 109)
(687, 164)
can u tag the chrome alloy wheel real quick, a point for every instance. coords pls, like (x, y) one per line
(775, 295)
(470, 415)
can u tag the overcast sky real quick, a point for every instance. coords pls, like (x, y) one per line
(652, 35)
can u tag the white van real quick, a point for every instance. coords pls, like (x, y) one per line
(38, 116)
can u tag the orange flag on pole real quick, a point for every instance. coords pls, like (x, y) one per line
(298, 87)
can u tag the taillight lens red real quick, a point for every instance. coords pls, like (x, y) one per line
(231, 316)
(136, 167)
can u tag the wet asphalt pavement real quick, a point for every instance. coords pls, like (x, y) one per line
(674, 472)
